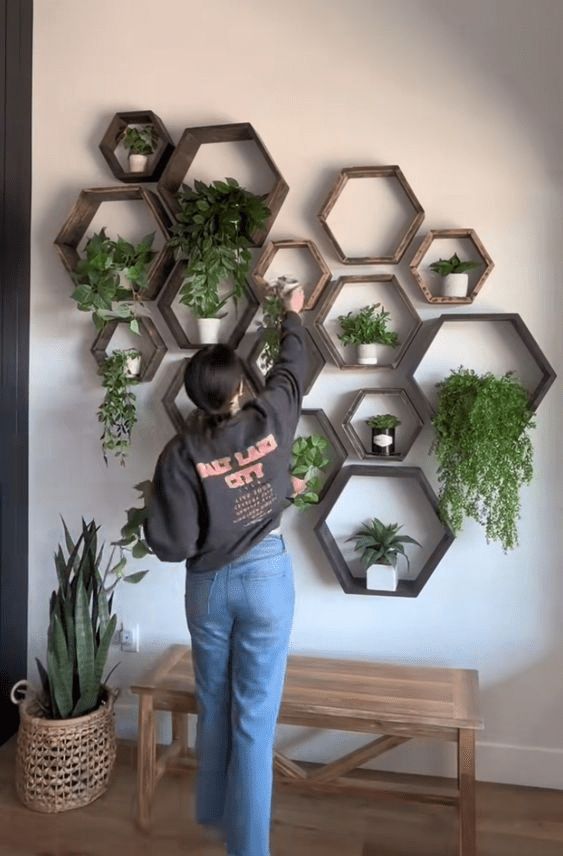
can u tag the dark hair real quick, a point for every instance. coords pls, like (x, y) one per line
(212, 379)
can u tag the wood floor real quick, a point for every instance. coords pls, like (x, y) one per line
(511, 822)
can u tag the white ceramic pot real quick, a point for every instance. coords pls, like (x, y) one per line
(209, 330)
(133, 365)
(382, 578)
(138, 163)
(367, 355)
(455, 285)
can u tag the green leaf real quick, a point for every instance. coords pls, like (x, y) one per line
(84, 652)
(136, 577)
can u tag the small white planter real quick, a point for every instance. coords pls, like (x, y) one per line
(287, 284)
(382, 578)
(367, 355)
(133, 365)
(208, 329)
(138, 163)
(455, 285)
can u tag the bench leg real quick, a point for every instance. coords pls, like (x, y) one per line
(146, 761)
(466, 782)
(179, 731)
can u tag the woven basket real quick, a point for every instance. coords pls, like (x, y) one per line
(63, 763)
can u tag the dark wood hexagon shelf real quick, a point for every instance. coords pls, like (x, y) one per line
(317, 362)
(150, 344)
(411, 423)
(370, 172)
(170, 397)
(479, 279)
(114, 133)
(430, 329)
(388, 281)
(84, 211)
(337, 453)
(418, 491)
(186, 150)
(314, 289)
(245, 312)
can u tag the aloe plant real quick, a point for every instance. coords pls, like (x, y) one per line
(81, 624)
(381, 543)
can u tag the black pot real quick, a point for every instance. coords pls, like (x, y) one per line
(383, 442)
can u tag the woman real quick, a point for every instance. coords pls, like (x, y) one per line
(219, 490)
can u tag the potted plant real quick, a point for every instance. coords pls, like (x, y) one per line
(66, 742)
(111, 277)
(484, 451)
(454, 273)
(213, 236)
(118, 410)
(366, 330)
(383, 433)
(140, 142)
(310, 457)
(273, 312)
(381, 547)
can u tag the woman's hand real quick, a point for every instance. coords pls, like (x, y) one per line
(294, 300)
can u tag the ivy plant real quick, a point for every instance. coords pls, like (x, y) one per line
(118, 410)
(213, 236)
(367, 327)
(383, 421)
(484, 451)
(140, 140)
(310, 457)
(381, 544)
(443, 267)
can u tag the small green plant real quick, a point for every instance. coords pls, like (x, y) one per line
(367, 327)
(273, 312)
(99, 287)
(81, 625)
(443, 267)
(141, 140)
(132, 533)
(383, 421)
(484, 451)
(310, 457)
(213, 236)
(118, 410)
(381, 544)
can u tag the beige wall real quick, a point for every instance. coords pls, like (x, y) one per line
(466, 98)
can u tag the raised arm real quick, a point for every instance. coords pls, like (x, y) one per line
(285, 382)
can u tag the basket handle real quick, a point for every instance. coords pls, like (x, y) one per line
(20, 691)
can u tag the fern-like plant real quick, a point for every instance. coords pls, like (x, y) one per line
(118, 410)
(381, 544)
(310, 457)
(367, 327)
(484, 451)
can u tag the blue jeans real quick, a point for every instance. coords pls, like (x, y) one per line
(240, 621)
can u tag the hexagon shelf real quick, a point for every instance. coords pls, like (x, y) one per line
(115, 156)
(314, 420)
(256, 368)
(177, 410)
(150, 344)
(83, 212)
(182, 322)
(512, 348)
(184, 154)
(313, 272)
(345, 295)
(407, 499)
(467, 244)
(371, 402)
(405, 227)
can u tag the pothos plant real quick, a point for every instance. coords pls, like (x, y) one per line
(213, 236)
(139, 140)
(111, 277)
(132, 533)
(484, 451)
(310, 457)
(118, 411)
(444, 267)
(273, 312)
(367, 327)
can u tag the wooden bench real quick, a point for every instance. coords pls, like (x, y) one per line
(397, 703)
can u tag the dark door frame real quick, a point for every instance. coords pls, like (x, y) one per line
(16, 27)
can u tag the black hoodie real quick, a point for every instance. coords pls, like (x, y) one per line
(216, 496)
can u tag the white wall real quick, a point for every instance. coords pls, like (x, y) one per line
(466, 98)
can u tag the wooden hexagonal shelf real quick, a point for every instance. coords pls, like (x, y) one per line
(537, 376)
(393, 400)
(150, 344)
(315, 282)
(317, 362)
(379, 288)
(186, 150)
(176, 388)
(477, 278)
(406, 233)
(184, 328)
(407, 499)
(337, 452)
(110, 143)
(84, 211)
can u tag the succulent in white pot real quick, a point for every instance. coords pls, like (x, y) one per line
(367, 329)
(455, 275)
(140, 142)
(381, 547)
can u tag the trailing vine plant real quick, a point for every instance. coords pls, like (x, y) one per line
(118, 410)
(273, 312)
(484, 451)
